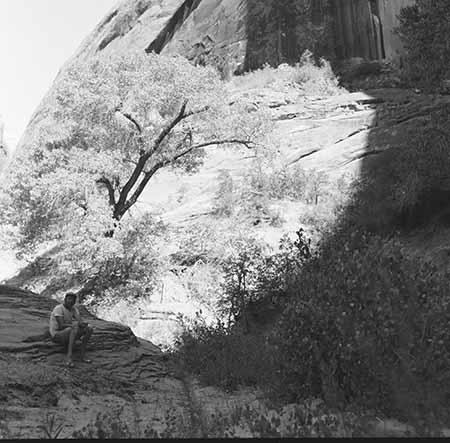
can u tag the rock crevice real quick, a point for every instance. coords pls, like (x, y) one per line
(172, 26)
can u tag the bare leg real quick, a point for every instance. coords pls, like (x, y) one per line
(72, 338)
(87, 335)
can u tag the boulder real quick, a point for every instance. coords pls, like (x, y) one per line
(128, 390)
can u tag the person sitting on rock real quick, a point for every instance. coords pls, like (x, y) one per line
(66, 326)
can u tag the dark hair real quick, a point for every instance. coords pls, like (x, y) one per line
(70, 295)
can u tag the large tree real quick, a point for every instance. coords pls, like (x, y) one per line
(113, 123)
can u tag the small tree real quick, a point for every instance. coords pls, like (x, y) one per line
(113, 124)
(240, 266)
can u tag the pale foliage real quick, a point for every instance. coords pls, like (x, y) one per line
(114, 122)
(307, 77)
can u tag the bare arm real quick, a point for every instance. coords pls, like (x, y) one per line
(78, 319)
(61, 324)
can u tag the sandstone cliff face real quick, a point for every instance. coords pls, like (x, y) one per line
(234, 35)
(131, 25)
(237, 35)
(240, 35)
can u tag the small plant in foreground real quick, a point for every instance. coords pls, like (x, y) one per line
(106, 425)
(50, 427)
(306, 419)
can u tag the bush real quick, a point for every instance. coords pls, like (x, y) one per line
(307, 77)
(425, 32)
(222, 357)
(233, 352)
(253, 277)
(293, 183)
(240, 278)
(262, 184)
(365, 324)
(408, 186)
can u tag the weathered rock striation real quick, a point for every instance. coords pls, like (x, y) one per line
(128, 382)
(129, 391)
(240, 35)
(237, 35)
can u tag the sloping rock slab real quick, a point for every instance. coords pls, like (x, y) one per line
(126, 392)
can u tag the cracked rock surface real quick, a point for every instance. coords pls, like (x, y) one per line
(126, 390)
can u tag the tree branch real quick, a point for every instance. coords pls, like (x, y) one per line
(124, 203)
(166, 131)
(182, 115)
(149, 174)
(109, 187)
(134, 121)
(197, 111)
(136, 194)
(247, 143)
(130, 118)
(83, 206)
(147, 154)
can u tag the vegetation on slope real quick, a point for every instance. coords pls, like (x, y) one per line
(425, 32)
(115, 123)
(362, 322)
(355, 321)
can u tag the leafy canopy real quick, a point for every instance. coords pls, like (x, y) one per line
(111, 125)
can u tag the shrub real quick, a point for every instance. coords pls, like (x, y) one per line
(309, 419)
(365, 324)
(233, 352)
(307, 77)
(254, 276)
(225, 198)
(240, 274)
(51, 427)
(117, 424)
(407, 186)
(264, 183)
(106, 425)
(222, 357)
(316, 78)
(425, 32)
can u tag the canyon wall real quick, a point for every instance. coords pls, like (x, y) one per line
(365, 28)
(240, 35)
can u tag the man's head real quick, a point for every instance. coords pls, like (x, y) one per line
(69, 300)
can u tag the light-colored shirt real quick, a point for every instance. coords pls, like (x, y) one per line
(67, 317)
